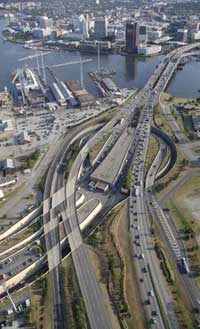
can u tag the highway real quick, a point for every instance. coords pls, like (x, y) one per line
(54, 182)
(138, 207)
(60, 203)
(81, 262)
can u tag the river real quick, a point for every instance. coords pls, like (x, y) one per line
(132, 72)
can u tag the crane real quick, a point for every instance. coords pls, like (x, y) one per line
(42, 54)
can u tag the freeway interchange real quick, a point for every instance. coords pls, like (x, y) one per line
(60, 208)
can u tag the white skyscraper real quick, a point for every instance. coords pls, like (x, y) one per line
(84, 29)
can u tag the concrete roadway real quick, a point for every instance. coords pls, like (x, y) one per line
(74, 236)
(139, 218)
(87, 281)
(171, 234)
(53, 183)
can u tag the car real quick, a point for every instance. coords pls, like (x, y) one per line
(144, 270)
(141, 280)
(152, 321)
(147, 302)
(154, 313)
(151, 293)
(142, 256)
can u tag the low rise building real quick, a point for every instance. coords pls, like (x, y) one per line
(8, 166)
(23, 138)
(7, 125)
(149, 50)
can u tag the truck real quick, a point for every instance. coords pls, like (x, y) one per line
(184, 266)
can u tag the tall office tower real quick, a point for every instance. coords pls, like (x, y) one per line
(132, 37)
(84, 26)
(101, 27)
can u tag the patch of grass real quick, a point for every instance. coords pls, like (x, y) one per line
(181, 166)
(164, 264)
(73, 154)
(186, 222)
(41, 306)
(160, 121)
(181, 303)
(153, 149)
(32, 160)
(74, 304)
(97, 148)
(128, 179)
(113, 246)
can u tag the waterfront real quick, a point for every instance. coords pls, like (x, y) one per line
(132, 72)
(186, 83)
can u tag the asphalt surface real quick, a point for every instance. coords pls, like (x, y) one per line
(53, 183)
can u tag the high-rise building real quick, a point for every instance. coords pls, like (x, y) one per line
(101, 27)
(143, 37)
(132, 37)
(182, 35)
(84, 26)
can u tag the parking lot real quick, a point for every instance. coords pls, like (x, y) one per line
(15, 264)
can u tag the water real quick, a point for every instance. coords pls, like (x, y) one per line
(186, 83)
(131, 72)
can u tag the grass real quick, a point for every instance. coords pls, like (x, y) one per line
(16, 239)
(153, 149)
(161, 122)
(74, 304)
(97, 148)
(184, 121)
(41, 307)
(180, 302)
(186, 222)
(74, 152)
(128, 179)
(31, 160)
(180, 167)
(112, 247)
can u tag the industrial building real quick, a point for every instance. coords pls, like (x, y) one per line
(83, 97)
(62, 94)
(109, 169)
(132, 37)
(109, 85)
